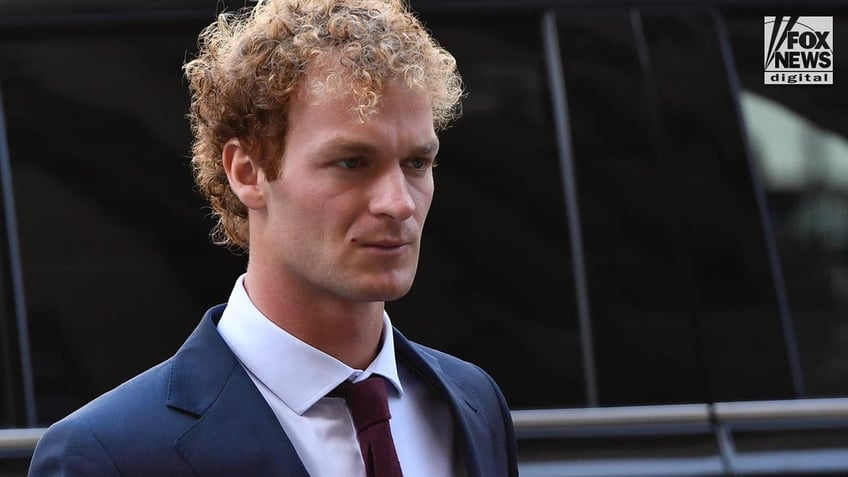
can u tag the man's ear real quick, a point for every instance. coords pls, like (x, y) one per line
(243, 173)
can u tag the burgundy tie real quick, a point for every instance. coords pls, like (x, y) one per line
(369, 407)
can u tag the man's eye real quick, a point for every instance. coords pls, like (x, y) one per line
(418, 163)
(350, 163)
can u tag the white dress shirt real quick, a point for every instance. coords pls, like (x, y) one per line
(294, 378)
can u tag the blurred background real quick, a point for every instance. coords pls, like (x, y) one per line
(645, 245)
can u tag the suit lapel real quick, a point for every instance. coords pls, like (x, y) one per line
(236, 432)
(469, 416)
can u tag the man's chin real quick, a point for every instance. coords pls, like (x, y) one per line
(383, 291)
(397, 296)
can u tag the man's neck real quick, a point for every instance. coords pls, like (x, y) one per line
(349, 331)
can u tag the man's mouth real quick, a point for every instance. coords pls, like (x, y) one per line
(387, 243)
(386, 247)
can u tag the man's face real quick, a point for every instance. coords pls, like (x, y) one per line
(344, 218)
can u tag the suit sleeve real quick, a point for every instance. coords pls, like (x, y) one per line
(70, 449)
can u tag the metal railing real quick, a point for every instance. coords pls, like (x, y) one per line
(728, 412)
(605, 439)
(547, 419)
(18, 441)
(720, 418)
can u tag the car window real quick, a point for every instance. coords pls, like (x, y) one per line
(798, 139)
(680, 283)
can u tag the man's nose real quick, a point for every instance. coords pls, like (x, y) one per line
(391, 196)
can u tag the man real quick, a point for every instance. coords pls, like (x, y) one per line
(315, 139)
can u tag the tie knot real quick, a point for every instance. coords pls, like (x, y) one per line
(367, 401)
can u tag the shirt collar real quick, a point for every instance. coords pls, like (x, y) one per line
(297, 373)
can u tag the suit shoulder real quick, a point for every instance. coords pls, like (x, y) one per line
(70, 448)
(463, 372)
(450, 363)
(125, 425)
(79, 444)
(441, 356)
(131, 399)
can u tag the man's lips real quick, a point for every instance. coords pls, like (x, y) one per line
(385, 243)
(386, 247)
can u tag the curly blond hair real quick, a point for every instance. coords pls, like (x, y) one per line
(250, 64)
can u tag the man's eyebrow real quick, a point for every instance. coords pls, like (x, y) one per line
(364, 148)
(431, 147)
(347, 146)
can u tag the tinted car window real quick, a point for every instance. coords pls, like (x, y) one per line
(13, 377)
(679, 280)
(799, 142)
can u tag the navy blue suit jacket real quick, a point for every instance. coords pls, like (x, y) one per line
(199, 414)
